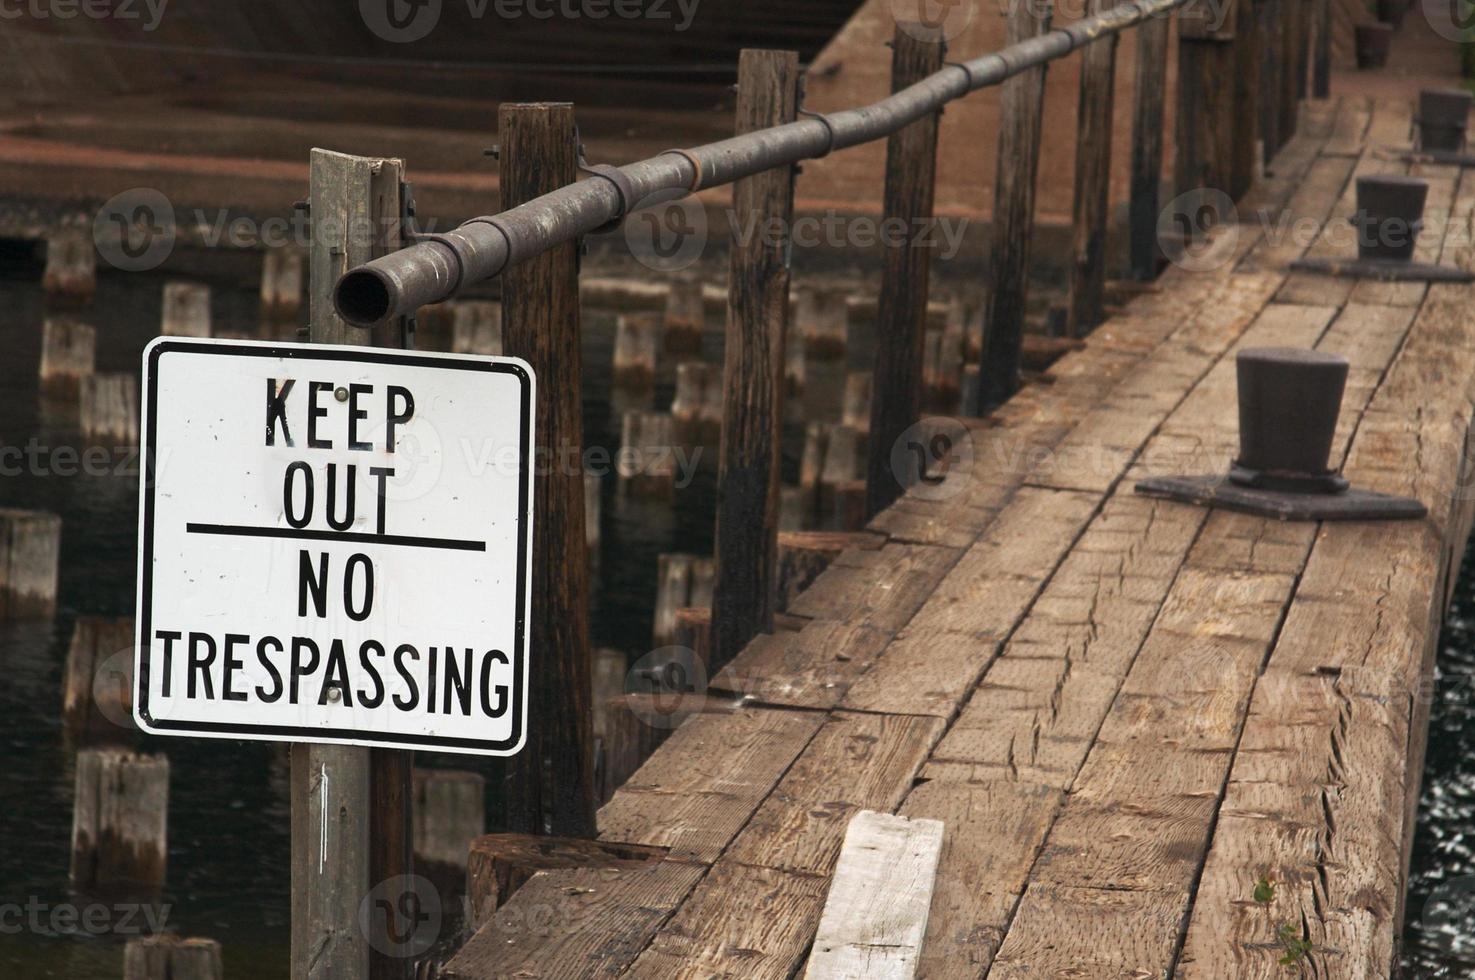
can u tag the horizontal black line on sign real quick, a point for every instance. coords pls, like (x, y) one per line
(355, 537)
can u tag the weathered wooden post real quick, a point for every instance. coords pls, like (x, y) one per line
(1287, 27)
(696, 385)
(350, 804)
(1321, 59)
(71, 264)
(823, 320)
(120, 819)
(753, 370)
(637, 346)
(281, 283)
(1243, 164)
(1021, 101)
(901, 316)
(68, 354)
(1093, 181)
(30, 555)
(1268, 40)
(855, 409)
(646, 462)
(1147, 144)
(450, 812)
(551, 783)
(476, 328)
(1206, 105)
(95, 703)
(167, 957)
(108, 407)
(686, 315)
(186, 310)
(682, 581)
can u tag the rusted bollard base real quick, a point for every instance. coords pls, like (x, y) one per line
(1443, 157)
(1388, 270)
(1219, 491)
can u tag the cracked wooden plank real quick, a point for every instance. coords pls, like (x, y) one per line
(701, 786)
(856, 762)
(812, 668)
(756, 923)
(578, 923)
(993, 831)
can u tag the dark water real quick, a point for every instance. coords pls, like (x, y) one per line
(1439, 935)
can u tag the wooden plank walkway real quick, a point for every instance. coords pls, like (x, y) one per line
(1126, 712)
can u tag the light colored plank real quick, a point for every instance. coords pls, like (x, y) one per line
(876, 914)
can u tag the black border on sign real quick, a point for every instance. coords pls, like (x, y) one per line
(146, 569)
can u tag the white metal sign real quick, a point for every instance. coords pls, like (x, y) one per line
(335, 545)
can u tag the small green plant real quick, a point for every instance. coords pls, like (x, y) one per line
(1264, 891)
(1296, 947)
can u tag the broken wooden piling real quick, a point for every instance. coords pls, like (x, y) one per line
(685, 317)
(71, 264)
(682, 580)
(109, 407)
(449, 812)
(186, 310)
(97, 694)
(646, 462)
(168, 957)
(476, 328)
(282, 283)
(68, 354)
(30, 555)
(120, 819)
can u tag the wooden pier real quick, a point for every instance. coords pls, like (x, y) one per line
(1126, 712)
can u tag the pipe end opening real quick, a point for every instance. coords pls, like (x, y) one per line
(362, 297)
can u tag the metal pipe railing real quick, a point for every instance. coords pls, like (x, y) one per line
(437, 266)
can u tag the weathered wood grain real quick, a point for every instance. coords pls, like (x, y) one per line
(741, 921)
(812, 668)
(993, 831)
(856, 762)
(876, 914)
(881, 589)
(901, 315)
(540, 298)
(1021, 101)
(581, 923)
(703, 784)
(753, 370)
